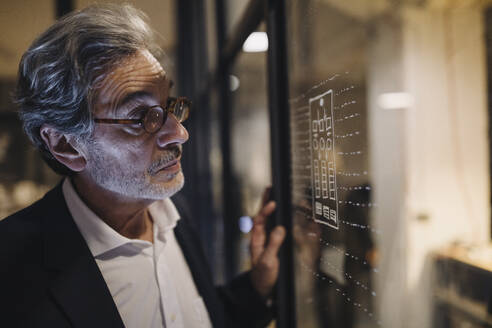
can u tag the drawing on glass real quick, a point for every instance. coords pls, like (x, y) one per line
(322, 147)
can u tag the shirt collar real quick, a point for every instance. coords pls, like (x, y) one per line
(100, 237)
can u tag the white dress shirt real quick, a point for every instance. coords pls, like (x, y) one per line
(151, 283)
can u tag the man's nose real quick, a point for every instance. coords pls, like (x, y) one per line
(172, 132)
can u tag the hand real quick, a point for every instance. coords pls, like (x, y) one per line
(264, 260)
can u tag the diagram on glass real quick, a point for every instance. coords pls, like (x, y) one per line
(324, 182)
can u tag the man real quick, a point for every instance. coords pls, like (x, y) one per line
(106, 247)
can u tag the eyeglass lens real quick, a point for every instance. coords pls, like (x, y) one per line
(153, 120)
(156, 116)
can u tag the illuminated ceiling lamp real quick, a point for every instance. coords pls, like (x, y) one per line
(256, 42)
(395, 100)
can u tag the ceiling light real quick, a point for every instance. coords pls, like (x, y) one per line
(395, 100)
(256, 42)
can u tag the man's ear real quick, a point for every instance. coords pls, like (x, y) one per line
(63, 148)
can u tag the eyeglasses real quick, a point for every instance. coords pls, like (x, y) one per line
(156, 116)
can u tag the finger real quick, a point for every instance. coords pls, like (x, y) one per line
(266, 195)
(277, 236)
(258, 233)
(265, 212)
(257, 244)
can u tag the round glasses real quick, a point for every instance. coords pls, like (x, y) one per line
(156, 116)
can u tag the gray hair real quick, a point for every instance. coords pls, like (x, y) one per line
(59, 73)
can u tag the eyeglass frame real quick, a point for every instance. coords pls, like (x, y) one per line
(170, 108)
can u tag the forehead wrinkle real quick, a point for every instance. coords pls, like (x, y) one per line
(117, 88)
(142, 84)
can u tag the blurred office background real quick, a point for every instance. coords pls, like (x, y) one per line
(410, 85)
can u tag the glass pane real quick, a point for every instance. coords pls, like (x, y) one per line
(234, 12)
(390, 153)
(250, 144)
(216, 170)
(211, 33)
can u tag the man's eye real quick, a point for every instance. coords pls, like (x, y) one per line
(137, 125)
(136, 128)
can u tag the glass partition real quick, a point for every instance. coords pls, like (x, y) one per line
(389, 157)
(250, 143)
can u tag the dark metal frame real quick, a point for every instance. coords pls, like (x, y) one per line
(63, 7)
(229, 47)
(192, 70)
(273, 12)
(229, 201)
(278, 95)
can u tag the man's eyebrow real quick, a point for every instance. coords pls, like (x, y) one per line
(131, 97)
(136, 95)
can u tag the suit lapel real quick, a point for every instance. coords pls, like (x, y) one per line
(77, 285)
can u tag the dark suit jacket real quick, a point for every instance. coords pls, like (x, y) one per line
(49, 278)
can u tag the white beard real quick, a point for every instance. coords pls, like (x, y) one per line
(128, 180)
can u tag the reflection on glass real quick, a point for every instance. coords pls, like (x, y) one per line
(389, 150)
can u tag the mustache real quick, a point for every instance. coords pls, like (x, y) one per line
(172, 153)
